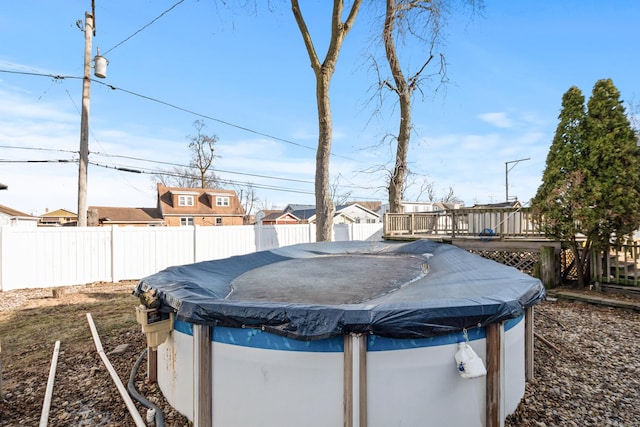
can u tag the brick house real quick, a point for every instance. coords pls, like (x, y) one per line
(199, 206)
(176, 207)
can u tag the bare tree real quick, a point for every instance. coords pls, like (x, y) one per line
(339, 198)
(202, 155)
(323, 72)
(422, 19)
(198, 174)
(248, 199)
(178, 176)
(428, 189)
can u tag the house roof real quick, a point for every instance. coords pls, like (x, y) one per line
(294, 207)
(359, 206)
(372, 205)
(203, 206)
(58, 213)
(14, 213)
(304, 214)
(132, 215)
(275, 215)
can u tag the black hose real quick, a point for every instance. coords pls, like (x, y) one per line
(159, 419)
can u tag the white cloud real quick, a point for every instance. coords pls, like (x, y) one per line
(498, 119)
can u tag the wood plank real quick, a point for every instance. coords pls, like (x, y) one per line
(347, 400)
(203, 411)
(493, 410)
(528, 343)
(363, 380)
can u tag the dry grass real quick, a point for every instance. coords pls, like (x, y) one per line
(28, 332)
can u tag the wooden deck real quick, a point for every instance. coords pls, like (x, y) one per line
(481, 224)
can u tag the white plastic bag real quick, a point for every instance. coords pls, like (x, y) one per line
(468, 363)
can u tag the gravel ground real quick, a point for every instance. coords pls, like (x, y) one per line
(589, 375)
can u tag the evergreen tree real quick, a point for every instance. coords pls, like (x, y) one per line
(590, 191)
(613, 166)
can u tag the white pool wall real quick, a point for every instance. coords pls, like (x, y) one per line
(405, 387)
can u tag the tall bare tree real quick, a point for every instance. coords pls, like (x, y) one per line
(248, 199)
(199, 172)
(323, 72)
(421, 19)
(202, 154)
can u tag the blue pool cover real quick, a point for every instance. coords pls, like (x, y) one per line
(319, 290)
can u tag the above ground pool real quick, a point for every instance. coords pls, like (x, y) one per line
(342, 334)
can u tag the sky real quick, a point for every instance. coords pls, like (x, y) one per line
(244, 72)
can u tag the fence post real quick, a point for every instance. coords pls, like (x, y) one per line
(454, 224)
(113, 253)
(548, 266)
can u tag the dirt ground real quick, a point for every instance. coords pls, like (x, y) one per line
(84, 393)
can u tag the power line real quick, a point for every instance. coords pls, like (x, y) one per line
(212, 169)
(223, 181)
(39, 149)
(183, 109)
(204, 116)
(144, 27)
(39, 161)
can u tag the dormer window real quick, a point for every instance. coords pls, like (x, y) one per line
(185, 200)
(222, 201)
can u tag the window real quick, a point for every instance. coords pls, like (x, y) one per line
(218, 221)
(222, 201)
(185, 200)
(186, 220)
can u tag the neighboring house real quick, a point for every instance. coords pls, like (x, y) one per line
(415, 207)
(14, 218)
(271, 217)
(345, 214)
(199, 206)
(176, 207)
(307, 215)
(57, 218)
(357, 214)
(141, 217)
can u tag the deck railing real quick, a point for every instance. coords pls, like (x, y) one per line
(481, 223)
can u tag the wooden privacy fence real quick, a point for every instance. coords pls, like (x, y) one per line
(482, 223)
(37, 257)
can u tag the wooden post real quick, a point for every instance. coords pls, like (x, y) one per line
(528, 343)
(0, 368)
(548, 266)
(152, 365)
(58, 292)
(347, 400)
(493, 410)
(202, 394)
(363, 380)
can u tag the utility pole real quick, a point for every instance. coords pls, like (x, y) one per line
(506, 175)
(84, 122)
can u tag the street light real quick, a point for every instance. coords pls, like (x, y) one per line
(506, 174)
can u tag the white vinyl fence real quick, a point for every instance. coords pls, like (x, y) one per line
(37, 257)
